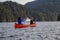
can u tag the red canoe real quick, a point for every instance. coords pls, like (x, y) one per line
(24, 25)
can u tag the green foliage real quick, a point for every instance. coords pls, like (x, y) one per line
(10, 11)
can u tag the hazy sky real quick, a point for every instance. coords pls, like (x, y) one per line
(19, 1)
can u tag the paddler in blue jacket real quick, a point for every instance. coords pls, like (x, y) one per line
(19, 20)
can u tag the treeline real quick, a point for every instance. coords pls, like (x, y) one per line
(10, 11)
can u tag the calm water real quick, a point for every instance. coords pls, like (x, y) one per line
(42, 31)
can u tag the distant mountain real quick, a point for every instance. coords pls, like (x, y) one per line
(45, 5)
(40, 10)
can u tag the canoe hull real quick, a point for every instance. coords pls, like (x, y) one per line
(24, 25)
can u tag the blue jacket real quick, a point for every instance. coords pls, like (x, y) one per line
(19, 21)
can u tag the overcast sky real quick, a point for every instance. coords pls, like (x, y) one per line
(19, 1)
